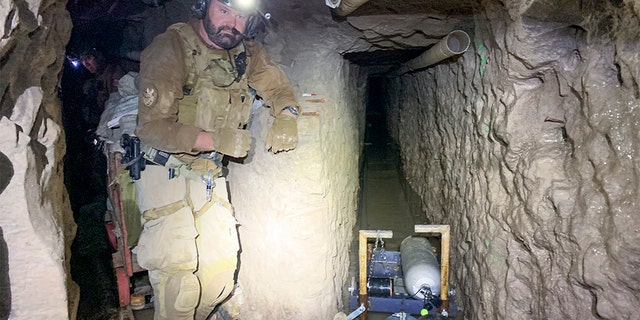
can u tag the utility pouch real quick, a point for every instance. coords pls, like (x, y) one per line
(177, 167)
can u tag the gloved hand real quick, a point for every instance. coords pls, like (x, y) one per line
(283, 135)
(232, 142)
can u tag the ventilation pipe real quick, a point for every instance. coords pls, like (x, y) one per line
(456, 42)
(345, 7)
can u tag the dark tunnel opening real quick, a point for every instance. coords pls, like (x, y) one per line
(376, 130)
(5, 284)
(93, 61)
(86, 183)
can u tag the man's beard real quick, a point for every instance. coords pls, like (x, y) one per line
(222, 40)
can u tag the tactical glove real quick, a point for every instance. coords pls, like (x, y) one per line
(232, 142)
(283, 135)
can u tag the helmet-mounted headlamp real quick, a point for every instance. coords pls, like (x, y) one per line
(249, 6)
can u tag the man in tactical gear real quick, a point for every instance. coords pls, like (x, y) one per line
(194, 106)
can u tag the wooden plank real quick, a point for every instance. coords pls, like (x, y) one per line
(444, 269)
(363, 237)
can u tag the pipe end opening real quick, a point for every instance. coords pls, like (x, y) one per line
(458, 41)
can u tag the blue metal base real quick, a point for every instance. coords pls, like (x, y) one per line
(388, 264)
(390, 305)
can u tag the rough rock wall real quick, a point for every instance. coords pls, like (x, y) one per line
(297, 209)
(528, 147)
(35, 217)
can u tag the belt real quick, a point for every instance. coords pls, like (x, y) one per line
(176, 167)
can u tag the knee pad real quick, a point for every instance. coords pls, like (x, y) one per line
(182, 293)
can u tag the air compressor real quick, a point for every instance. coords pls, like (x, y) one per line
(407, 281)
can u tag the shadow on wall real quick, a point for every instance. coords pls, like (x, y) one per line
(5, 291)
(7, 168)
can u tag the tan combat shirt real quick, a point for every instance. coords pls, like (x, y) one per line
(163, 74)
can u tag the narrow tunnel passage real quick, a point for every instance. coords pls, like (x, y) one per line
(383, 204)
(384, 197)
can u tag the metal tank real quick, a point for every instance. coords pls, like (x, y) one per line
(420, 268)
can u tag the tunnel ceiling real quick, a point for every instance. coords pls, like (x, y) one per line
(382, 57)
(411, 7)
(393, 32)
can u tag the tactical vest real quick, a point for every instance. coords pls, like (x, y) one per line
(215, 96)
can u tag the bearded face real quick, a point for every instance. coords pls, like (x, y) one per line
(224, 36)
(224, 25)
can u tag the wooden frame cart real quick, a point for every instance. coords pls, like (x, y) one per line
(363, 258)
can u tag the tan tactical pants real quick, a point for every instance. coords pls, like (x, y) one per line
(189, 245)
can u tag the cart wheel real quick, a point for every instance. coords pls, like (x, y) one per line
(126, 314)
(123, 287)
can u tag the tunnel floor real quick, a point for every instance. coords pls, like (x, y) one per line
(383, 202)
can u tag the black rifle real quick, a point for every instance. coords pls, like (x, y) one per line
(132, 158)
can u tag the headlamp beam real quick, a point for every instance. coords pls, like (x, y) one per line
(249, 6)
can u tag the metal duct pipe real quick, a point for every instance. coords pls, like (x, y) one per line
(419, 267)
(345, 7)
(456, 42)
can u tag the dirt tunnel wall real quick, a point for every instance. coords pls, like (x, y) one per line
(527, 146)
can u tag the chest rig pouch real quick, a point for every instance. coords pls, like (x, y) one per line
(216, 90)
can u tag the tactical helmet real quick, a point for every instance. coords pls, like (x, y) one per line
(247, 6)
